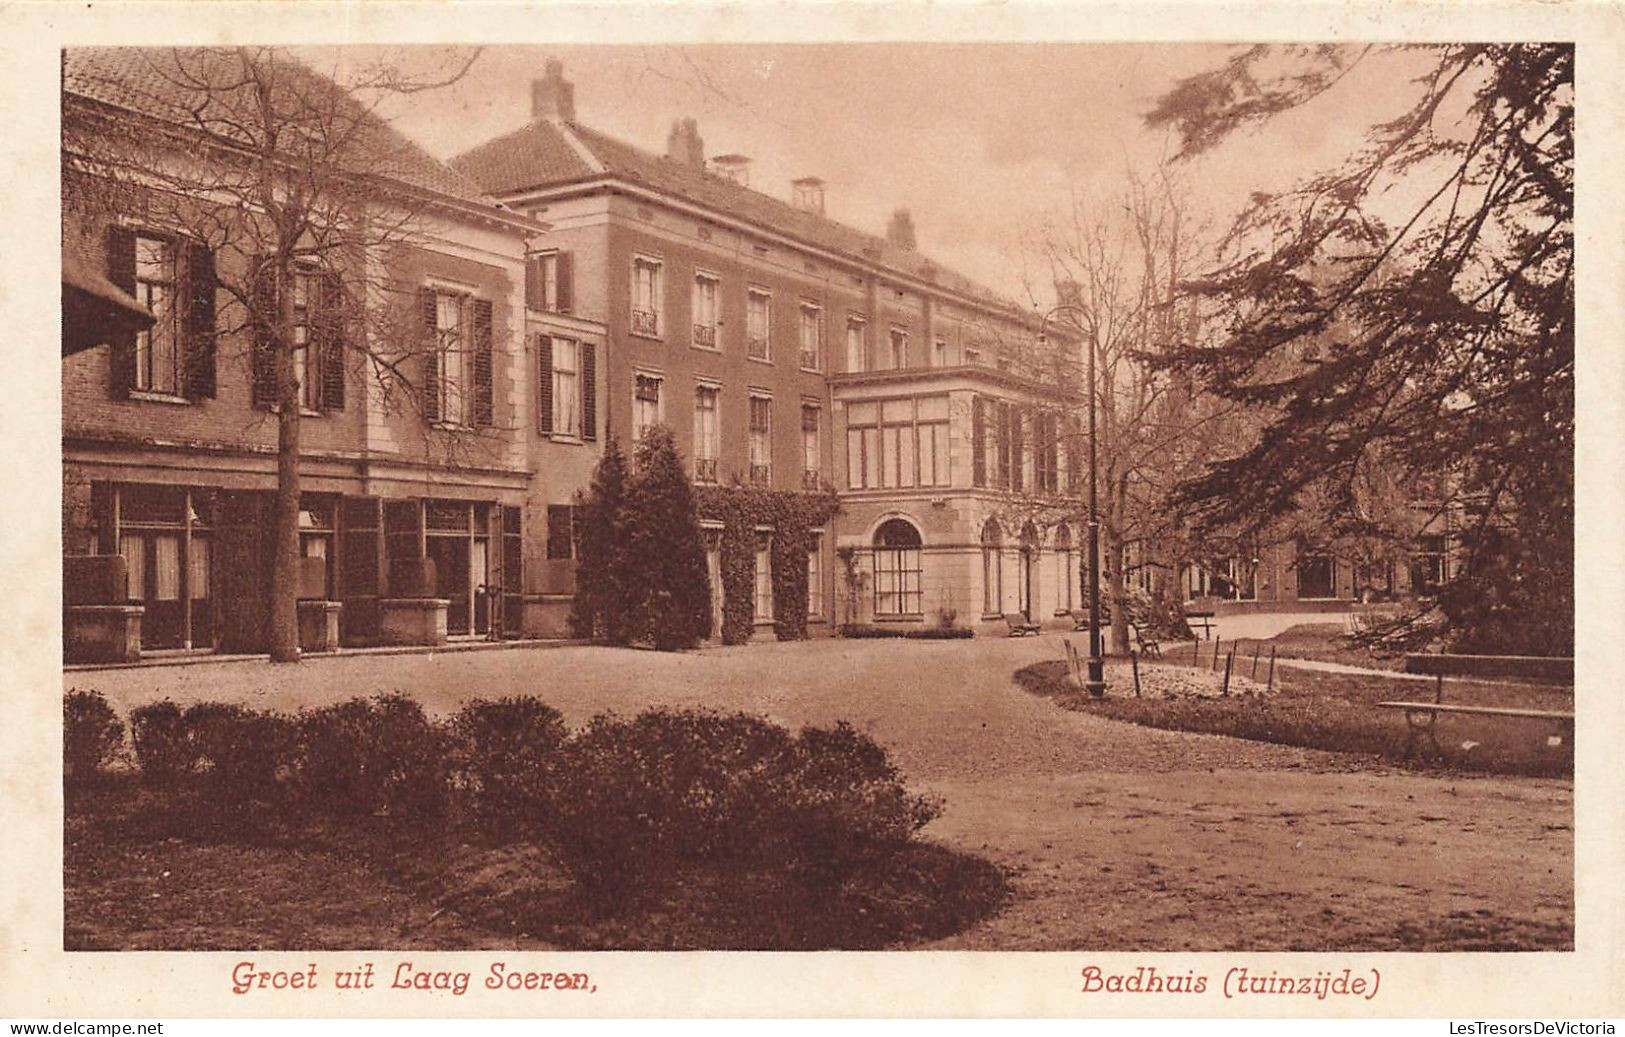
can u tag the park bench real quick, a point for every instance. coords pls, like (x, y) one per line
(1080, 618)
(1421, 719)
(1146, 643)
(1019, 624)
(1200, 619)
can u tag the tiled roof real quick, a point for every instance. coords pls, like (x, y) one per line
(546, 153)
(168, 84)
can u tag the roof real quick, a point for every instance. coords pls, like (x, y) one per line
(92, 305)
(546, 153)
(168, 84)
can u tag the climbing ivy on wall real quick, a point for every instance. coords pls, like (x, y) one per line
(791, 515)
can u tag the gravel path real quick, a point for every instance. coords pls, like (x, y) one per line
(1119, 837)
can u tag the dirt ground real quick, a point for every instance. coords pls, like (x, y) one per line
(1118, 837)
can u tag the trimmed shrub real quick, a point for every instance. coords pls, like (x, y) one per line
(502, 752)
(636, 800)
(668, 586)
(938, 633)
(163, 752)
(242, 756)
(373, 756)
(91, 735)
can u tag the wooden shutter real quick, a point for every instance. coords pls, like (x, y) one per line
(978, 443)
(563, 290)
(535, 289)
(331, 325)
(589, 391)
(544, 384)
(121, 271)
(198, 327)
(264, 318)
(484, 389)
(430, 389)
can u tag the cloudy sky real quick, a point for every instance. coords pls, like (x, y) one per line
(982, 142)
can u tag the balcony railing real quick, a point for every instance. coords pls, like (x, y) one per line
(810, 478)
(761, 474)
(756, 346)
(645, 322)
(705, 336)
(705, 469)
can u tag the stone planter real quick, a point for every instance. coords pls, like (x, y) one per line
(102, 633)
(319, 625)
(412, 621)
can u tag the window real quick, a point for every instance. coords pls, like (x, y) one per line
(304, 302)
(815, 573)
(855, 351)
(566, 387)
(1316, 576)
(1066, 573)
(812, 337)
(973, 357)
(561, 531)
(761, 440)
(162, 532)
(457, 386)
(705, 311)
(897, 569)
(897, 443)
(899, 348)
(939, 353)
(992, 569)
(706, 441)
(811, 447)
(646, 409)
(1047, 452)
(758, 320)
(1428, 564)
(547, 282)
(157, 349)
(646, 296)
(764, 577)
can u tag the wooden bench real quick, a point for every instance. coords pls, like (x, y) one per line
(1147, 643)
(1421, 719)
(1080, 619)
(1200, 618)
(1020, 624)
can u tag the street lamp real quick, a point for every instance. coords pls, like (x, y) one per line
(1095, 685)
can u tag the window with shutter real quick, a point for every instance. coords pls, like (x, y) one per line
(484, 366)
(263, 360)
(544, 385)
(333, 317)
(200, 329)
(589, 392)
(564, 283)
(121, 271)
(429, 391)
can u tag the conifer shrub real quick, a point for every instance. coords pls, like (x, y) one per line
(502, 753)
(601, 588)
(669, 590)
(91, 735)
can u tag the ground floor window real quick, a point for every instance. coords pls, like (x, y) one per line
(815, 574)
(1428, 565)
(165, 536)
(897, 569)
(992, 569)
(1317, 576)
(764, 578)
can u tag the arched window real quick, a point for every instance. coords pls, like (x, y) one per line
(992, 570)
(1027, 587)
(1066, 572)
(897, 569)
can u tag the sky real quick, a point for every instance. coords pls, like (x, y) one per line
(981, 142)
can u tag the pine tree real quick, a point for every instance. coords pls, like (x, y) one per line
(669, 592)
(600, 605)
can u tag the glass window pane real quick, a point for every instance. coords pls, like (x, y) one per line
(197, 568)
(133, 548)
(166, 568)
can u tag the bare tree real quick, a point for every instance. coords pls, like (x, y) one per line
(296, 192)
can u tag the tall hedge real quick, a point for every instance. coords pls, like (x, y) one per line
(668, 588)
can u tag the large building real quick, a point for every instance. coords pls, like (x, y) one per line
(790, 352)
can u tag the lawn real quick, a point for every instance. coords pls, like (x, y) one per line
(1338, 712)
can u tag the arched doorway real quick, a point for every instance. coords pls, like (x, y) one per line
(1028, 587)
(1066, 573)
(897, 569)
(992, 568)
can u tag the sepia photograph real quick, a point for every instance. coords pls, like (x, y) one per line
(800, 497)
(955, 486)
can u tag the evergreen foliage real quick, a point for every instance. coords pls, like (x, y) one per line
(1411, 310)
(668, 592)
(792, 516)
(599, 607)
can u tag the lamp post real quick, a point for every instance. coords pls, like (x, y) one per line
(1095, 684)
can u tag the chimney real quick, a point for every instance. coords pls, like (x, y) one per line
(808, 194)
(900, 231)
(734, 167)
(553, 97)
(684, 146)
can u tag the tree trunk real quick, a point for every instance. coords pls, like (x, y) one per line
(284, 612)
(1112, 548)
